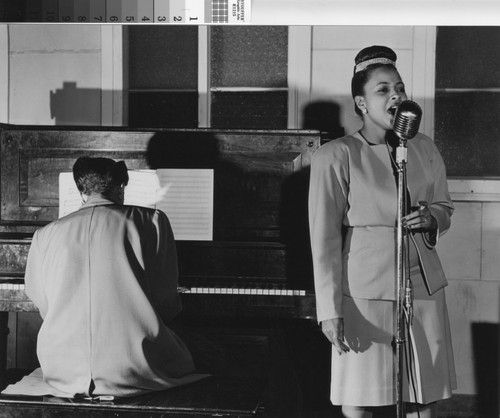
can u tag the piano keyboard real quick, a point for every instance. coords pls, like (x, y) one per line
(11, 286)
(242, 291)
(204, 290)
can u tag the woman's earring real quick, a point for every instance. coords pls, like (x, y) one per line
(364, 111)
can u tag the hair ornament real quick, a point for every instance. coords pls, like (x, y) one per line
(362, 65)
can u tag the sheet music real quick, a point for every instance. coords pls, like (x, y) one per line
(188, 201)
(143, 188)
(185, 195)
(69, 196)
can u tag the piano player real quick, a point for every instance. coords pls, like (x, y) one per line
(105, 281)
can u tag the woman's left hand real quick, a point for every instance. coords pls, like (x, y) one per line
(420, 219)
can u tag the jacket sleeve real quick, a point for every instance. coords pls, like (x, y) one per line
(441, 206)
(33, 280)
(165, 296)
(328, 190)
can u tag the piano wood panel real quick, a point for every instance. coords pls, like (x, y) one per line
(30, 162)
(251, 168)
(16, 301)
(13, 256)
(240, 261)
(205, 261)
(201, 264)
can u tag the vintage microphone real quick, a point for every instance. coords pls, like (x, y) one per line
(406, 123)
(407, 120)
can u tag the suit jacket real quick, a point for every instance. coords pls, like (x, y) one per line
(105, 281)
(353, 212)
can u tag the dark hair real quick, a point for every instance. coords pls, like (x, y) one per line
(360, 78)
(99, 175)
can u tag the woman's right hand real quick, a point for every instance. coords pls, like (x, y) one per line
(334, 331)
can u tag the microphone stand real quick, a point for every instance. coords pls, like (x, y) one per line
(405, 126)
(403, 300)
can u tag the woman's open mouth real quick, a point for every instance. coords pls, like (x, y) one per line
(392, 110)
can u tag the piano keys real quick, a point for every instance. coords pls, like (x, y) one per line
(232, 301)
(19, 286)
(245, 291)
(12, 285)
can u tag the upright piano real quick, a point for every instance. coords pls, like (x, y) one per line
(260, 243)
(260, 248)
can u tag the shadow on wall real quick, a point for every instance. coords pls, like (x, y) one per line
(486, 345)
(309, 348)
(73, 105)
(246, 198)
(76, 106)
(323, 116)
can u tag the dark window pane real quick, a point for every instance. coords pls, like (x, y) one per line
(249, 110)
(467, 57)
(163, 57)
(467, 129)
(249, 56)
(161, 109)
(466, 122)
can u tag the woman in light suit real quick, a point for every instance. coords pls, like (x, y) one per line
(353, 211)
(105, 281)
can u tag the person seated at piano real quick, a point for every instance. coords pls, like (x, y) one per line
(353, 205)
(104, 279)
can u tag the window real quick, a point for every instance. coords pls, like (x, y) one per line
(244, 76)
(163, 76)
(467, 107)
(248, 77)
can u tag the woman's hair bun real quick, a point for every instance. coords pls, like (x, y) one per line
(373, 52)
(99, 175)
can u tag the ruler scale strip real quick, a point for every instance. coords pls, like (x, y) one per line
(138, 11)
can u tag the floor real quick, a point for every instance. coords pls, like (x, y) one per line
(460, 406)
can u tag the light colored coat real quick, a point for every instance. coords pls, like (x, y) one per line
(352, 188)
(105, 281)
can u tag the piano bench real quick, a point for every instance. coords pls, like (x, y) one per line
(212, 397)
(243, 384)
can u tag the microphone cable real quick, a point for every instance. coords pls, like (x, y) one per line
(408, 318)
(408, 305)
(409, 357)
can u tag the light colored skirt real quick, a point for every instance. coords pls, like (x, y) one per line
(366, 376)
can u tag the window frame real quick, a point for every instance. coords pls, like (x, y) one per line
(4, 73)
(298, 75)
